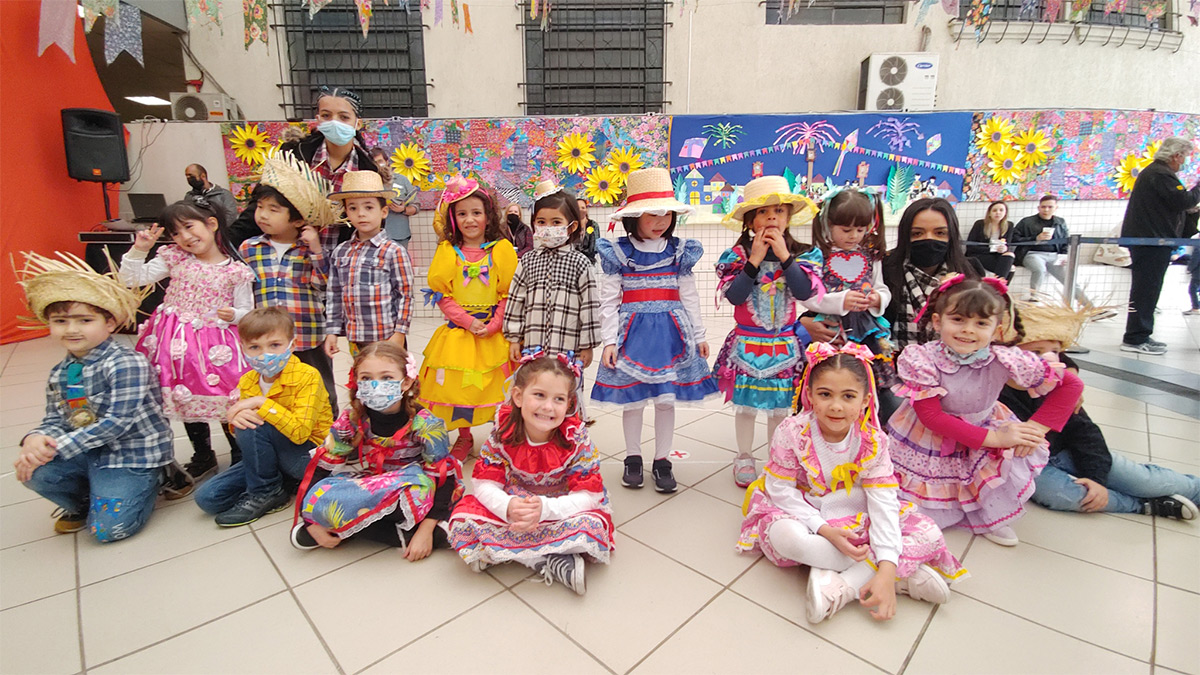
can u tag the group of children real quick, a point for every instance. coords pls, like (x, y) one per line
(245, 338)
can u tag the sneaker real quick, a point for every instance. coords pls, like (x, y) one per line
(250, 508)
(201, 467)
(565, 568)
(664, 479)
(632, 478)
(177, 483)
(1156, 343)
(1145, 348)
(827, 593)
(1002, 536)
(301, 538)
(925, 584)
(68, 522)
(744, 470)
(1174, 506)
(1191, 312)
(462, 446)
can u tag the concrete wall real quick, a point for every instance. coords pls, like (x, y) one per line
(165, 150)
(251, 76)
(476, 74)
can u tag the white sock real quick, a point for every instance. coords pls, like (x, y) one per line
(793, 541)
(664, 429)
(743, 429)
(858, 575)
(631, 421)
(773, 424)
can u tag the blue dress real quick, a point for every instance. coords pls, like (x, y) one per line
(657, 359)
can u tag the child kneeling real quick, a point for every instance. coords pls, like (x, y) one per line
(539, 499)
(281, 412)
(863, 543)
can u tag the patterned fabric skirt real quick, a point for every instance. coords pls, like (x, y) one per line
(345, 503)
(197, 363)
(760, 372)
(922, 542)
(463, 376)
(981, 489)
(656, 363)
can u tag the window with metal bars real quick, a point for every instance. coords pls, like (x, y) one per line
(1133, 14)
(831, 12)
(387, 67)
(597, 57)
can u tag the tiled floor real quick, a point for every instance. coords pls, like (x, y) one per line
(1082, 593)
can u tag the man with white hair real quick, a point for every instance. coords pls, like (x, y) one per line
(1156, 210)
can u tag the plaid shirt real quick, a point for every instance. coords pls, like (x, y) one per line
(130, 431)
(370, 290)
(553, 301)
(296, 283)
(320, 164)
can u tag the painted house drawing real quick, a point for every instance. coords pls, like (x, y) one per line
(693, 186)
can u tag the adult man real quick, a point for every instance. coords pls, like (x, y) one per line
(1042, 258)
(1156, 210)
(217, 196)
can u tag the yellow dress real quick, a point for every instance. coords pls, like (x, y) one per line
(463, 377)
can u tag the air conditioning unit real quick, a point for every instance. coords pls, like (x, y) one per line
(898, 82)
(188, 106)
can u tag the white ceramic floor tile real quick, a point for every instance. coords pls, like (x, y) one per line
(37, 570)
(721, 486)
(1125, 440)
(1110, 542)
(1111, 400)
(1176, 449)
(718, 430)
(951, 645)
(1178, 616)
(25, 522)
(628, 503)
(696, 530)
(1188, 430)
(609, 436)
(12, 491)
(511, 574)
(1163, 412)
(28, 416)
(134, 610)
(1123, 419)
(276, 636)
(298, 567)
(702, 460)
(491, 627)
(1178, 560)
(630, 606)
(41, 637)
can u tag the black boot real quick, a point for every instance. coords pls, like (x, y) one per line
(235, 450)
(204, 460)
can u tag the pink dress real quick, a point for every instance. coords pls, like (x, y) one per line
(196, 356)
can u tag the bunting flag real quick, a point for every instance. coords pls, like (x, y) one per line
(365, 10)
(1117, 6)
(923, 9)
(1194, 12)
(467, 19)
(439, 11)
(255, 14)
(1028, 10)
(532, 9)
(454, 12)
(198, 10)
(125, 36)
(315, 6)
(852, 148)
(979, 14)
(94, 9)
(1154, 9)
(56, 26)
(1052, 11)
(1080, 6)
(950, 7)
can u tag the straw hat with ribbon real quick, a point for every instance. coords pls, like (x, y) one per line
(47, 281)
(303, 187)
(545, 188)
(650, 191)
(457, 189)
(767, 191)
(357, 184)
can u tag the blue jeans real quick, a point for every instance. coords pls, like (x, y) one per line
(1130, 484)
(267, 455)
(118, 502)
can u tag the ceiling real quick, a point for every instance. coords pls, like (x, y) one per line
(162, 74)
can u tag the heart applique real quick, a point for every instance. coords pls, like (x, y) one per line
(848, 266)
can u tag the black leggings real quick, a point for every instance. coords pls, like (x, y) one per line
(199, 434)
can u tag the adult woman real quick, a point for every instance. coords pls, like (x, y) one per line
(520, 234)
(988, 241)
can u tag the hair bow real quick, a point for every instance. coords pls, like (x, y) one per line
(432, 297)
(410, 366)
(568, 359)
(531, 354)
(819, 351)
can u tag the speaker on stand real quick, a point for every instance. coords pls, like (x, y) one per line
(95, 145)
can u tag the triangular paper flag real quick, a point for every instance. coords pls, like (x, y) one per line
(125, 36)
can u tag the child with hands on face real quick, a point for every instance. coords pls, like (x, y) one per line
(828, 499)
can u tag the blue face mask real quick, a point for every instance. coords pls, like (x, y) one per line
(338, 133)
(269, 365)
(379, 395)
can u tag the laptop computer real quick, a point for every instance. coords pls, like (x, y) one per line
(146, 206)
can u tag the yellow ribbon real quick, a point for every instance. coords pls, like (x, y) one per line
(844, 474)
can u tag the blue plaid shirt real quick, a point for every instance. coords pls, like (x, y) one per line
(296, 283)
(130, 430)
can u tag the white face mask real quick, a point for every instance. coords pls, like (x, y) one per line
(550, 236)
(380, 394)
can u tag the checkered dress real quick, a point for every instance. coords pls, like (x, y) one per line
(553, 301)
(296, 283)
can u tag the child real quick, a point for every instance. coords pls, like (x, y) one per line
(538, 497)
(287, 258)
(654, 338)
(960, 455)
(100, 450)
(281, 414)
(191, 338)
(864, 543)
(466, 361)
(553, 303)
(849, 232)
(762, 359)
(406, 481)
(1082, 474)
(369, 297)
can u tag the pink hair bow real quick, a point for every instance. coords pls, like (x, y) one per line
(410, 366)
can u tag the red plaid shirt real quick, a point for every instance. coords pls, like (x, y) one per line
(320, 164)
(296, 283)
(370, 290)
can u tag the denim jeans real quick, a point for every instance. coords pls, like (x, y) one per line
(1130, 484)
(118, 502)
(267, 456)
(1039, 263)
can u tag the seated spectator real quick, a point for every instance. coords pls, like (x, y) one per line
(988, 241)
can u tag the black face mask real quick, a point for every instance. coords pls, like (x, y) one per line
(925, 253)
(514, 221)
(196, 183)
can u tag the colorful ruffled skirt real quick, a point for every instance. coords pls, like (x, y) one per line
(463, 377)
(345, 503)
(657, 362)
(198, 363)
(759, 370)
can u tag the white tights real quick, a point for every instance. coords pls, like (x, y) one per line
(793, 541)
(743, 428)
(664, 430)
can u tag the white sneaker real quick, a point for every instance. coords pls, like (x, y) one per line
(827, 593)
(1003, 536)
(925, 584)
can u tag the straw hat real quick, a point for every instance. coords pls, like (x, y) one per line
(303, 187)
(457, 189)
(767, 191)
(357, 184)
(1050, 320)
(545, 188)
(650, 191)
(47, 281)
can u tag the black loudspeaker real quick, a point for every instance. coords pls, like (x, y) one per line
(95, 144)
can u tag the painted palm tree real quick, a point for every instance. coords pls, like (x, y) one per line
(806, 135)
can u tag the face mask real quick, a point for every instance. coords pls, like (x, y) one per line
(380, 394)
(514, 221)
(926, 253)
(550, 236)
(338, 133)
(269, 365)
(196, 183)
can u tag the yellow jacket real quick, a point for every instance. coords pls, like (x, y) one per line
(297, 405)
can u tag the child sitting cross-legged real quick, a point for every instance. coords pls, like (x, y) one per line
(281, 412)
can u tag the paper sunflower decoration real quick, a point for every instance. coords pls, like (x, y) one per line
(1128, 170)
(575, 153)
(1032, 147)
(603, 185)
(1151, 150)
(249, 144)
(623, 160)
(995, 136)
(410, 162)
(1005, 166)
